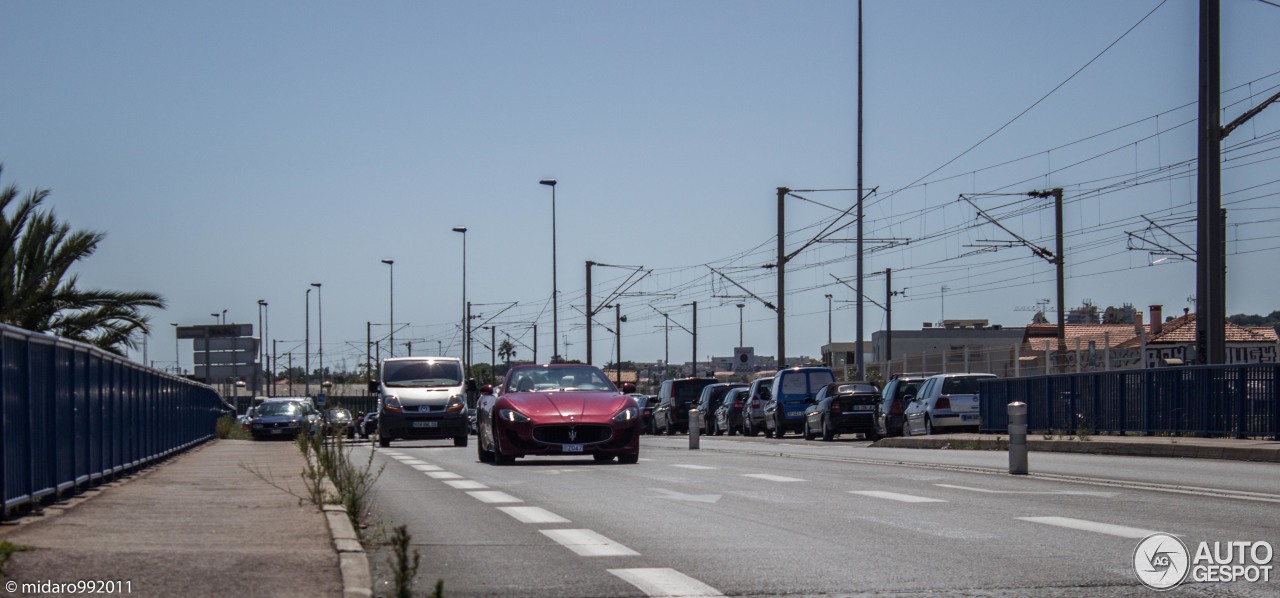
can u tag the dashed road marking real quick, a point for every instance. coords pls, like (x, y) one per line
(442, 475)
(689, 466)
(665, 582)
(426, 467)
(493, 496)
(1062, 492)
(465, 484)
(895, 496)
(1122, 531)
(533, 515)
(585, 542)
(771, 478)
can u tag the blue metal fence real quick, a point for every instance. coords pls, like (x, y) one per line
(72, 416)
(1237, 401)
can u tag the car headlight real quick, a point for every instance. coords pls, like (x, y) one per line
(293, 423)
(627, 415)
(512, 416)
(456, 403)
(391, 403)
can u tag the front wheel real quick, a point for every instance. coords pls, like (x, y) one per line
(630, 459)
(807, 434)
(460, 440)
(602, 458)
(498, 457)
(928, 427)
(779, 431)
(827, 434)
(483, 455)
(383, 441)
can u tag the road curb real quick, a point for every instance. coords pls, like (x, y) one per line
(1095, 445)
(353, 561)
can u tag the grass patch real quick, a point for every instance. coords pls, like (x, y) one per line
(227, 426)
(330, 456)
(7, 550)
(404, 568)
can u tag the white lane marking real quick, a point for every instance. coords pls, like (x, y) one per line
(772, 478)
(425, 467)
(443, 475)
(665, 582)
(645, 459)
(895, 496)
(689, 466)
(1092, 526)
(673, 495)
(533, 515)
(1063, 492)
(413, 461)
(392, 454)
(465, 484)
(585, 542)
(493, 496)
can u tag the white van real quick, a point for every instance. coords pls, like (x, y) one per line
(422, 398)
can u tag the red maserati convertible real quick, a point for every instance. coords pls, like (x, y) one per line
(559, 409)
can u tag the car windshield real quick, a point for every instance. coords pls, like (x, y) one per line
(851, 388)
(541, 378)
(689, 390)
(339, 414)
(278, 408)
(421, 373)
(960, 386)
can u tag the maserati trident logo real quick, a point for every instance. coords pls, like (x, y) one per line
(573, 433)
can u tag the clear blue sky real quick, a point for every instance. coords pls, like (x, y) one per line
(240, 151)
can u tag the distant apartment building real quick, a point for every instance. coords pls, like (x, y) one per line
(956, 346)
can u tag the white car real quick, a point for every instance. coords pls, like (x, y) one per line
(945, 402)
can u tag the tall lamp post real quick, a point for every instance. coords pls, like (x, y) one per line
(177, 358)
(391, 294)
(830, 350)
(263, 320)
(555, 303)
(466, 326)
(306, 360)
(740, 306)
(320, 326)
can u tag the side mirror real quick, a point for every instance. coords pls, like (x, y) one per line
(373, 386)
(486, 389)
(909, 399)
(628, 387)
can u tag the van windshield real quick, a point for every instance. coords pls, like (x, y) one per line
(421, 373)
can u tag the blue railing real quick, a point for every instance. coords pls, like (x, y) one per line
(73, 416)
(1237, 401)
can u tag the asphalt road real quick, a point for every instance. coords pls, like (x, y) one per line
(757, 517)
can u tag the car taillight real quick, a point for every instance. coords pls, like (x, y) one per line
(942, 403)
(835, 408)
(755, 404)
(737, 404)
(896, 409)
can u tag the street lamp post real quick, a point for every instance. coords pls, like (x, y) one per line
(391, 294)
(830, 352)
(263, 320)
(555, 304)
(466, 326)
(740, 306)
(177, 358)
(320, 326)
(306, 361)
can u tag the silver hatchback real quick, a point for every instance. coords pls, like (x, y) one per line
(945, 402)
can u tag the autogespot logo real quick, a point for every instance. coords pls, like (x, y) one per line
(1161, 560)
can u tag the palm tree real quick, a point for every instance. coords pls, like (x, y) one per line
(506, 351)
(37, 293)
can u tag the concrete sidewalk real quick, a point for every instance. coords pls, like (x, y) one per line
(1151, 446)
(201, 524)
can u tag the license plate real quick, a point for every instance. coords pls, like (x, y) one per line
(276, 431)
(572, 448)
(426, 424)
(795, 413)
(864, 407)
(968, 418)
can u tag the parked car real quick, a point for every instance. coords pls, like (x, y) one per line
(729, 415)
(306, 404)
(758, 395)
(709, 401)
(792, 390)
(842, 408)
(278, 419)
(646, 403)
(674, 400)
(893, 403)
(422, 398)
(559, 409)
(945, 402)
